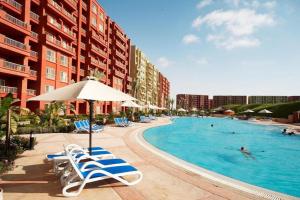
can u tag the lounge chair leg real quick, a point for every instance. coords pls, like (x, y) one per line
(70, 184)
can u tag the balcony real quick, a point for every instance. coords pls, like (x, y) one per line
(119, 64)
(82, 58)
(14, 23)
(34, 17)
(98, 38)
(98, 63)
(120, 55)
(119, 74)
(72, 3)
(34, 54)
(82, 45)
(83, 32)
(14, 4)
(61, 29)
(61, 11)
(121, 36)
(73, 69)
(32, 74)
(13, 45)
(36, 2)
(129, 87)
(31, 92)
(6, 89)
(83, 18)
(34, 35)
(99, 51)
(84, 6)
(59, 45)
(121, 46)
(14, 68)
(82, 72)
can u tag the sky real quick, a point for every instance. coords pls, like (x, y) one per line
(217, 47)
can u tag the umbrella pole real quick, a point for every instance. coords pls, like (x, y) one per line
(91, 104)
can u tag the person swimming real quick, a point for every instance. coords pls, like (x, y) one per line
(246, 153)
(212, 125)
(284, 131)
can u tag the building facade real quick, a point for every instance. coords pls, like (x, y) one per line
(163, 91)
(267, 99)
(138, 66)
(293, 98)
(190, 101)
(227, 100)
(49, 44)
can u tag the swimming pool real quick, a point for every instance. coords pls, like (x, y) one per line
(275, 164)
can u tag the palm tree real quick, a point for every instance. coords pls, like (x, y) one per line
(96, 73)
(52, 114)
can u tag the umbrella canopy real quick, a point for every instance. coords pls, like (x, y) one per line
(248, 111)
(151, 107)
(181, 110)
(130, 104)
(194, 109)
(265, 111)
(89, 90)
(86, 90)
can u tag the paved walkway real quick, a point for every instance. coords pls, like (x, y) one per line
(32, 177)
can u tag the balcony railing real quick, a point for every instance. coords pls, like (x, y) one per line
(6, 89)
(13, 66)
(15, 21)
(32, 72)
(119, 64)
(98, 38)
(14, 4)
(61, 9)
(33, 54)
(83, 31)
(31, 92)
(60, 27)
(34, 16)
(14, 43)
(73, 69)
(119, 74)
(83, 18)
(34, 35)
(84, 5)
(82, 58)
(98, 49)
(59, 43)
(82, 72)
(83, 45)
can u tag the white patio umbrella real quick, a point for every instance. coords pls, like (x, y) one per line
(181, 110)
(89, 90)
(194, 109)
(265, 111)
(149, 106)
(130, 104)
(248, 111)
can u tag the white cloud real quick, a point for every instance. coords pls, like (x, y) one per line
(190, 39)
(235, 3)
(270, 4)
(203, 3)
(164, 62)
(234, 28)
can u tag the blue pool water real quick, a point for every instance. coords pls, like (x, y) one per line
(276, 162)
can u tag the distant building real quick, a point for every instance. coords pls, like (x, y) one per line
(293, 98)
(228, 100)
(163, 90)
(189, 101)
(267, 99)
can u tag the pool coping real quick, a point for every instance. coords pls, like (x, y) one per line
(236, 184)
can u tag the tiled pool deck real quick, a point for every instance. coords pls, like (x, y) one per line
(32, 177)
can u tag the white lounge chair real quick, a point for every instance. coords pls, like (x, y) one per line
(93, 172)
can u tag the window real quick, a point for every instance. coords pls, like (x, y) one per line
(102, 16)
(64, 60)
(50, 73)
(94, 9)
(101, 29)
(51, 56)
(49, 88)
(64, 77)
(94, 21)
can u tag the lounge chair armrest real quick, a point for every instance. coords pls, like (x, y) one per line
(90, 163)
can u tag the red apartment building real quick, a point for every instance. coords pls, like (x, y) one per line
(293, 98)
(227, 100)
(163, 91)
(190, 101)
(47, 44)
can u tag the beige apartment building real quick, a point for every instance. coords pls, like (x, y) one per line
(138, 65)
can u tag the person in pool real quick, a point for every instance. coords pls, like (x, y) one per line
(284, 131)
(246, 153)
(212, 125)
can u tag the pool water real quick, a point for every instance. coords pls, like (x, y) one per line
(274, 162)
